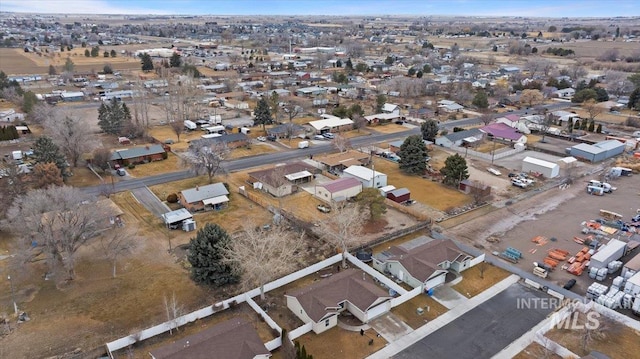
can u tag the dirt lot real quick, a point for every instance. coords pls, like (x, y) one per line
(555, 213)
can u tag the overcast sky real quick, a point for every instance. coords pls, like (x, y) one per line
(540, 8)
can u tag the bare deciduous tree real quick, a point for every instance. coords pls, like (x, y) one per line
(207, 159)
(486, 118)
(47, 174)
(173, 311)
(101, 157)
(342, 228)
(177, 127)
(140, 106)
(531, 97)
(57, 221)
(42, 112)
(71, 134)
(264, 254)
(592, 108)
(116, 242)
(341, 143)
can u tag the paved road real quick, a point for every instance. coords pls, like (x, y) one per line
(278, 157)
(485, 330)
(150, 201)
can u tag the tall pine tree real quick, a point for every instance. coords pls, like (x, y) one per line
(205, 256)
(45, 151)
(263, 113)
(413, 154)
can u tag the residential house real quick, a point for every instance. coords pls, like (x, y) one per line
(368, 177)
(138, 155)
(352, 290)
(72, 96)
(514, 121)
(450, 106)
(11, 115)
(394, 146)
(459, 138)
(311, 91)
(212, 196)
(391, 108)
(235, 338)
(500, 131)
(423, 262)
(331, 123)
(338, 190)
(382, 117)
(233, 140)
(337, 162)
(285, 130)
(282, 180)
(565, 93)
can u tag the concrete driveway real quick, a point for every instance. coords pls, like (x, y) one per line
(150, 201)
(448, 296)
(390, 327)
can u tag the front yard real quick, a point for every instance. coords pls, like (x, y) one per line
(408, 311)
(171, 164)
(473, 283)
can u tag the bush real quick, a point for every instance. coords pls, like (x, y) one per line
(131, 166)
(172, 198)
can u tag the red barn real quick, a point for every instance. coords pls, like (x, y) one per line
(399, 195)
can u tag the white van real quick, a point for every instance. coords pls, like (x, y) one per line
(303, 144)
(540, 272)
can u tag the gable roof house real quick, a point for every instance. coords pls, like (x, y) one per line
(232, 140)
(352, 290)
(503, 132)
(423, 261)
(514, 121)
(331, 123)
(212, 196)
(337, 162)
(391, 108)
(282, 180)
(235, 338)
(368, 177)
(460, 137)
(337, 190)
(137, 155)
(382, 117)
(286, 129)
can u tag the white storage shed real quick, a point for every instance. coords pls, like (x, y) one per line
(546, 168)
(367, 176)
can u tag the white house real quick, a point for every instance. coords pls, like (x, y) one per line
(423, 261)
(391, 108)
(339, 190)
(352, 290)
(368, 177)
(11, 115)
(565, 93)
(331, 124)
(450, 106)
(514, 121)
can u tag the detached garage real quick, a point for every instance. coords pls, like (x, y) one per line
(547, 169)
(399, 195)
(597, 152)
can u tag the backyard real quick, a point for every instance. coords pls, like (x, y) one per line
(343, 344)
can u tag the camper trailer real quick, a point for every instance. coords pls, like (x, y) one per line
(190, 125)
(215, 129)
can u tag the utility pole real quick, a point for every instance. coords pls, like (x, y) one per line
(13, 297)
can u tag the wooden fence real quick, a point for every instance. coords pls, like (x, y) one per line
(407, 210)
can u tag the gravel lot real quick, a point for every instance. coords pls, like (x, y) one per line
(554, 213)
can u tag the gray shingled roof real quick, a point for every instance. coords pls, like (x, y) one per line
(198, 194)
(456, 136)
(137, 152)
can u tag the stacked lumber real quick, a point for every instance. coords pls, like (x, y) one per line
(558, 255)
(551, 262)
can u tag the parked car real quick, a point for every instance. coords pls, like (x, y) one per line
(636, 218)
(569, 284)
(261, 138)
(324, 209)
(121, 172)
(319, 137)
(518, 183)
(329, 135)
(271, 138)
(409, 202)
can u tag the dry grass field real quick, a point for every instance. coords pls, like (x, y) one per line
(343, 344)
(617, 342)
(473, 283)
(407, 311)
(388, 128)
(593, 49)
(535, 351)
(431, 193)
(171, 164)
(83, 177)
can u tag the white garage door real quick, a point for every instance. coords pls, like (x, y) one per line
(436, 281)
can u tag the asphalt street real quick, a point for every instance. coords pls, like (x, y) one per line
(485, 330)
(278, 157)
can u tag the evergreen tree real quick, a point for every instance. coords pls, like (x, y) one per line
(454, 170)
(45, 151)
(263, 113)
(481, 100)
(206, 257)
(112, 118)
(429, 130)
(175, 60)
(349, 64)
(113, 53)
(373, 201)
(95, 51)
(634, 99)
(87, 53)
(592, 126)
(380, 101)
(29, 100)
(147, 63)
(413, 153)
(599, 128)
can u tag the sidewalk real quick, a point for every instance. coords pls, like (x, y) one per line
(397, 346)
